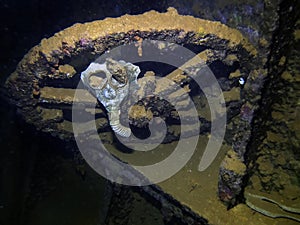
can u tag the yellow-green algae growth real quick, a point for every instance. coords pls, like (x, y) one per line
(148, 21)
(196, 190)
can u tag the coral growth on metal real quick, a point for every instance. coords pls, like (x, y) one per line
(43, 86)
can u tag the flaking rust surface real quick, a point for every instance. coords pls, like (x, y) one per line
(148, 21)
(196, 190)
(64, 95)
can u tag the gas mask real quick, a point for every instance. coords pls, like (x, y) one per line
(110, 83)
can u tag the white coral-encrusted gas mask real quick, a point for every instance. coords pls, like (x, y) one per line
(109, 83)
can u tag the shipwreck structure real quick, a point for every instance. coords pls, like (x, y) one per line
(44, 84)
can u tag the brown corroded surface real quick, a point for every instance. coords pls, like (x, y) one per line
(46, 62)
(63, 95)
(45, 79)
(148, 21)
(276, 151)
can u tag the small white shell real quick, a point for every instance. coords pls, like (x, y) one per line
(241, 81)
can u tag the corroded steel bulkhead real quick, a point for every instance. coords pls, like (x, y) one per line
(42, 87)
